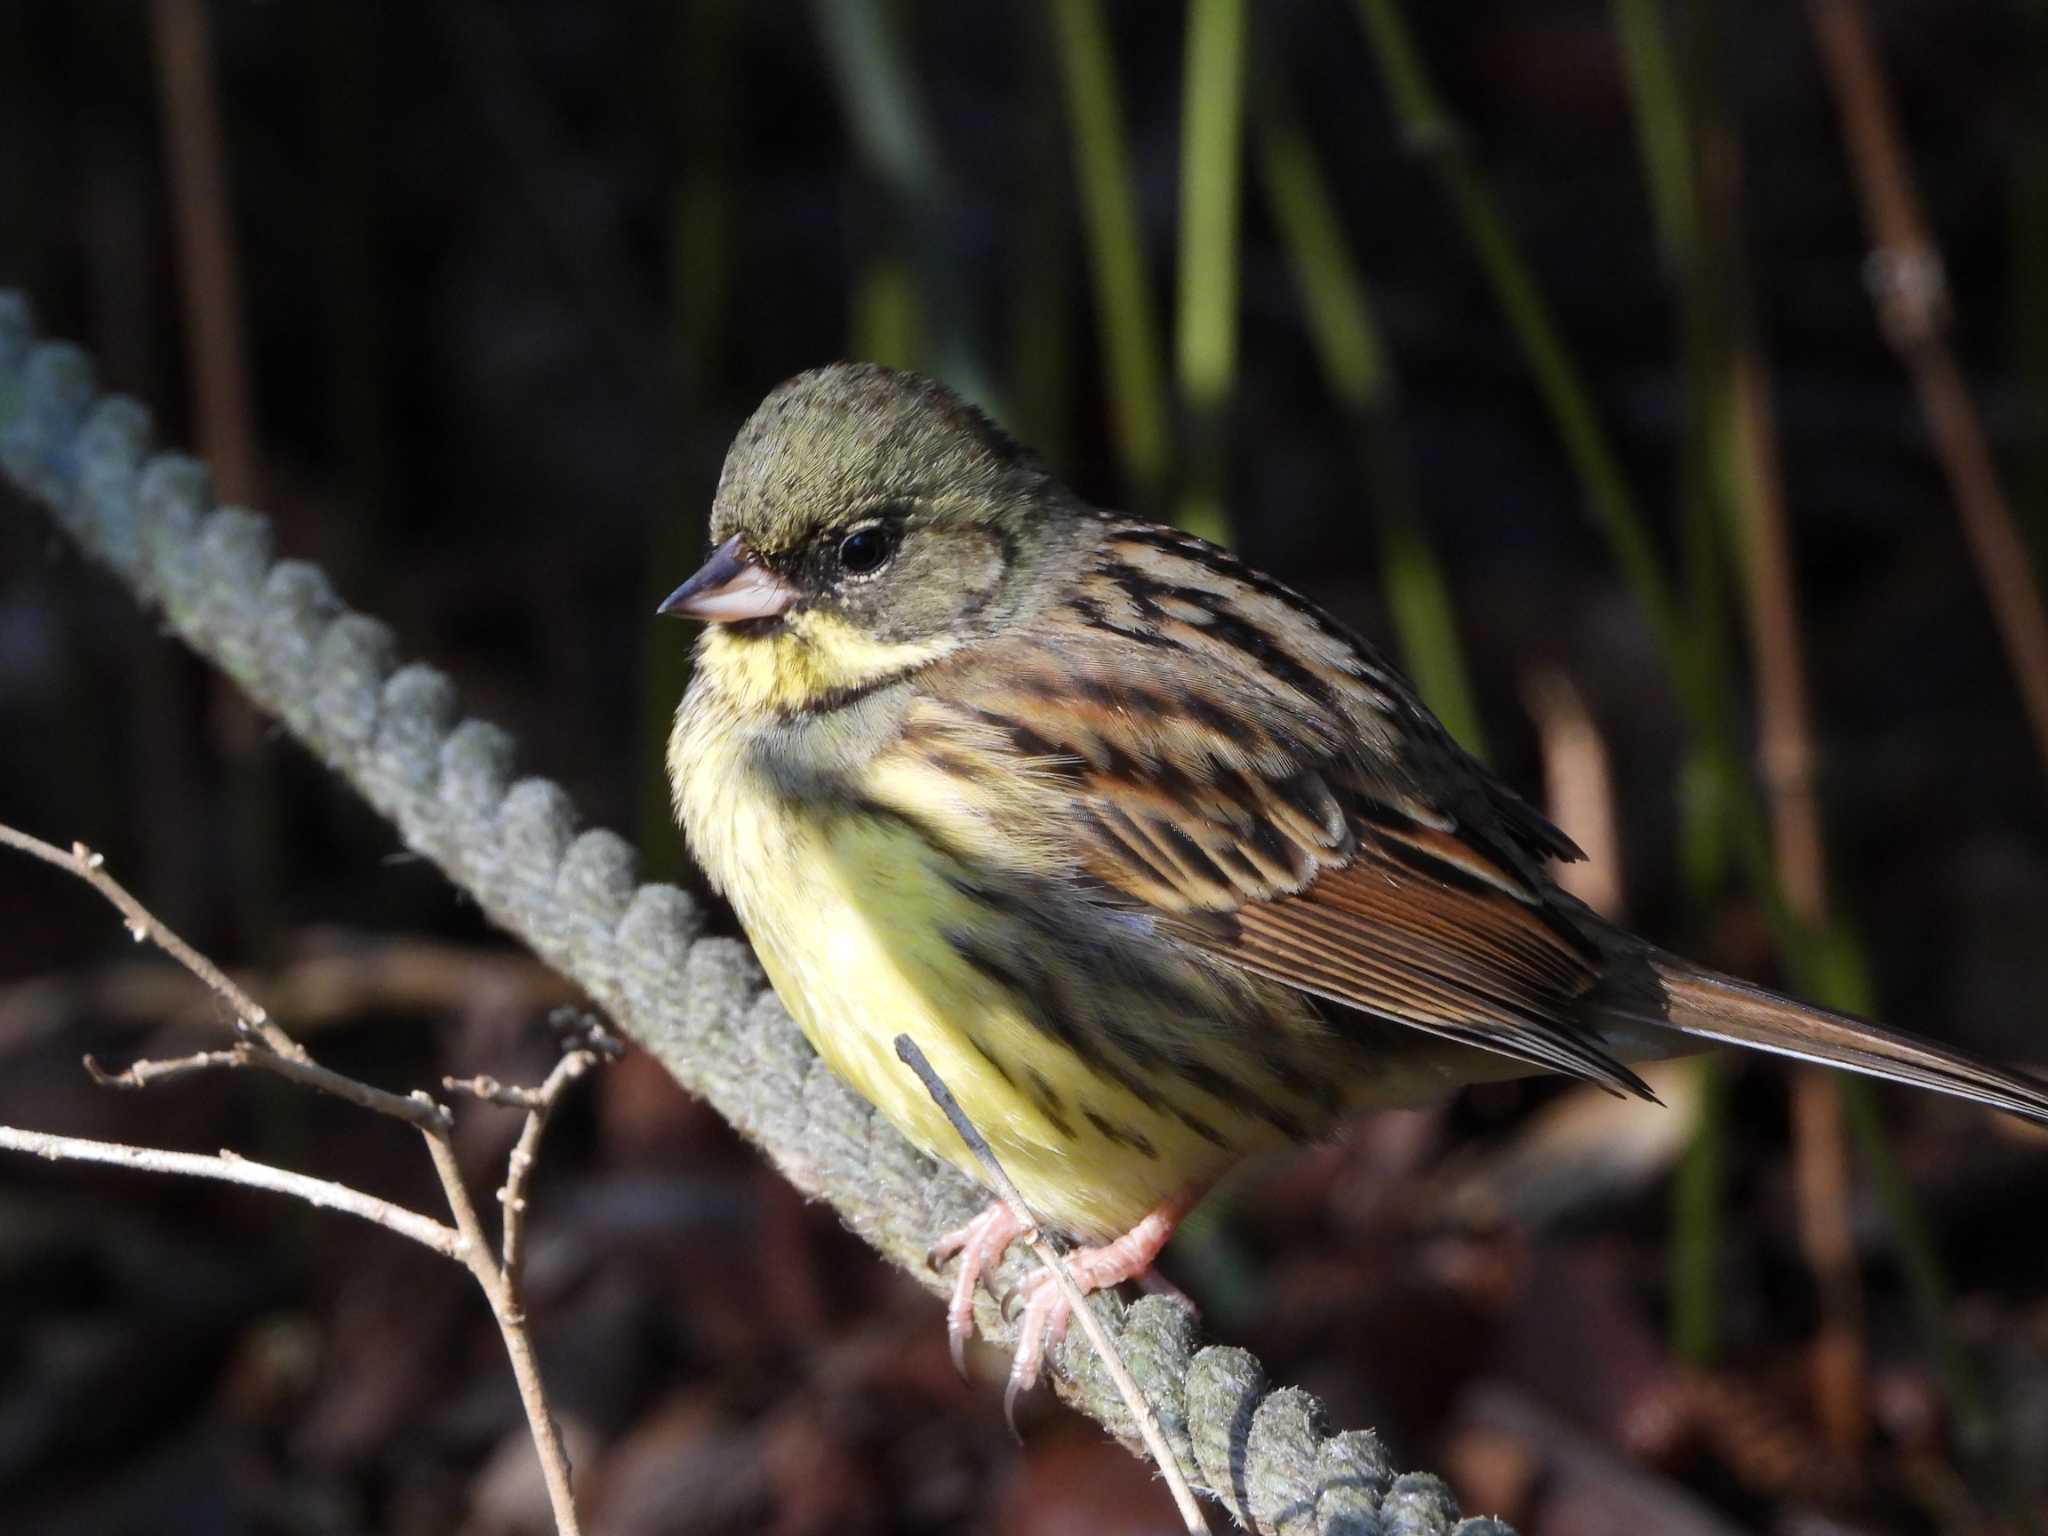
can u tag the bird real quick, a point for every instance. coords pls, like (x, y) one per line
(1159, 863)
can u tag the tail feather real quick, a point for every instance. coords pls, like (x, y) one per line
(1710, 1006)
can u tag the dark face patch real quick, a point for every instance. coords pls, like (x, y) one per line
(897, 572)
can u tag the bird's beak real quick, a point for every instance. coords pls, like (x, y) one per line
(731, 586)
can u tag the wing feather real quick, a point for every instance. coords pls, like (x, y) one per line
(1259, 783)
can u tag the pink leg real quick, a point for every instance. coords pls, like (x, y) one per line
(980, 1245)
(1046, 1309)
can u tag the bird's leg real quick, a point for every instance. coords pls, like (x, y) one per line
(1046, 1309)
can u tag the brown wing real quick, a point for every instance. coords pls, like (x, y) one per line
(1245, 771)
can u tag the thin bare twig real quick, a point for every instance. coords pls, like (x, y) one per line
(228, 1168)
(597, 1046)
(1907, 282)
(146, 1074)
(271, 1049)
(1112, 1360)
(263, 1045)
(502, 1291)
(415, 1109)
(143, 925)
(502, 1286)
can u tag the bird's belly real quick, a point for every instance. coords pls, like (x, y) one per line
(856, 921)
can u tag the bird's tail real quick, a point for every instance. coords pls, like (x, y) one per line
(1710, 1006)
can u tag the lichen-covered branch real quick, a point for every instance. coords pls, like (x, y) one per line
(450, 786)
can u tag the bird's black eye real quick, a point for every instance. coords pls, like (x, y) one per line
(863, 550)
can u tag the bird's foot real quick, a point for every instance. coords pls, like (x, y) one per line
(980, 1246)
(1039, 1301)
(1046, 1311)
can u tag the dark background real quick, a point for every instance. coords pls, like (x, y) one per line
(509, 277)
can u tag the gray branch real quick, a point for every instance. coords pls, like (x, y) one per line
(450, 785)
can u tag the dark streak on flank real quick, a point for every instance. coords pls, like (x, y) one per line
(1225, 1089)
(1048, 1102)
(1202, 1128)
(1119, 1135)
(1120, 695)
(1032, 994)
(989, 1056)
(862, 805)
(1322, 1092)
(983, 893)
(1038, 685)
(1030, 743)
(955, 762)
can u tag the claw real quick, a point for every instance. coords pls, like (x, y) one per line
(946, 1249)
(979, 1246)
(1044, 1318)
(1037, 1303)
(956, 1346)
(1012, 1390)
(1043, 1325)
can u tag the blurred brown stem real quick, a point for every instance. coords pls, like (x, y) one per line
(1907, 282)
(204, 214)
(1785, 743)
(1578, 791)
(262, 1045)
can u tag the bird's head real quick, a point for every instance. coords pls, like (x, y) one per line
(867, 523)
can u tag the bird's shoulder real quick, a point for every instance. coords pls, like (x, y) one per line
(1168, 678)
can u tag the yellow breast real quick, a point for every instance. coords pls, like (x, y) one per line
(857, 906)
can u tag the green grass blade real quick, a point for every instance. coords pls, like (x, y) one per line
(891, 130)
(1042, 330)
(1430, 132)
(1211, 182)
(1658, 102)
(1359, 375)
(1123, 297)
(888, 322)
